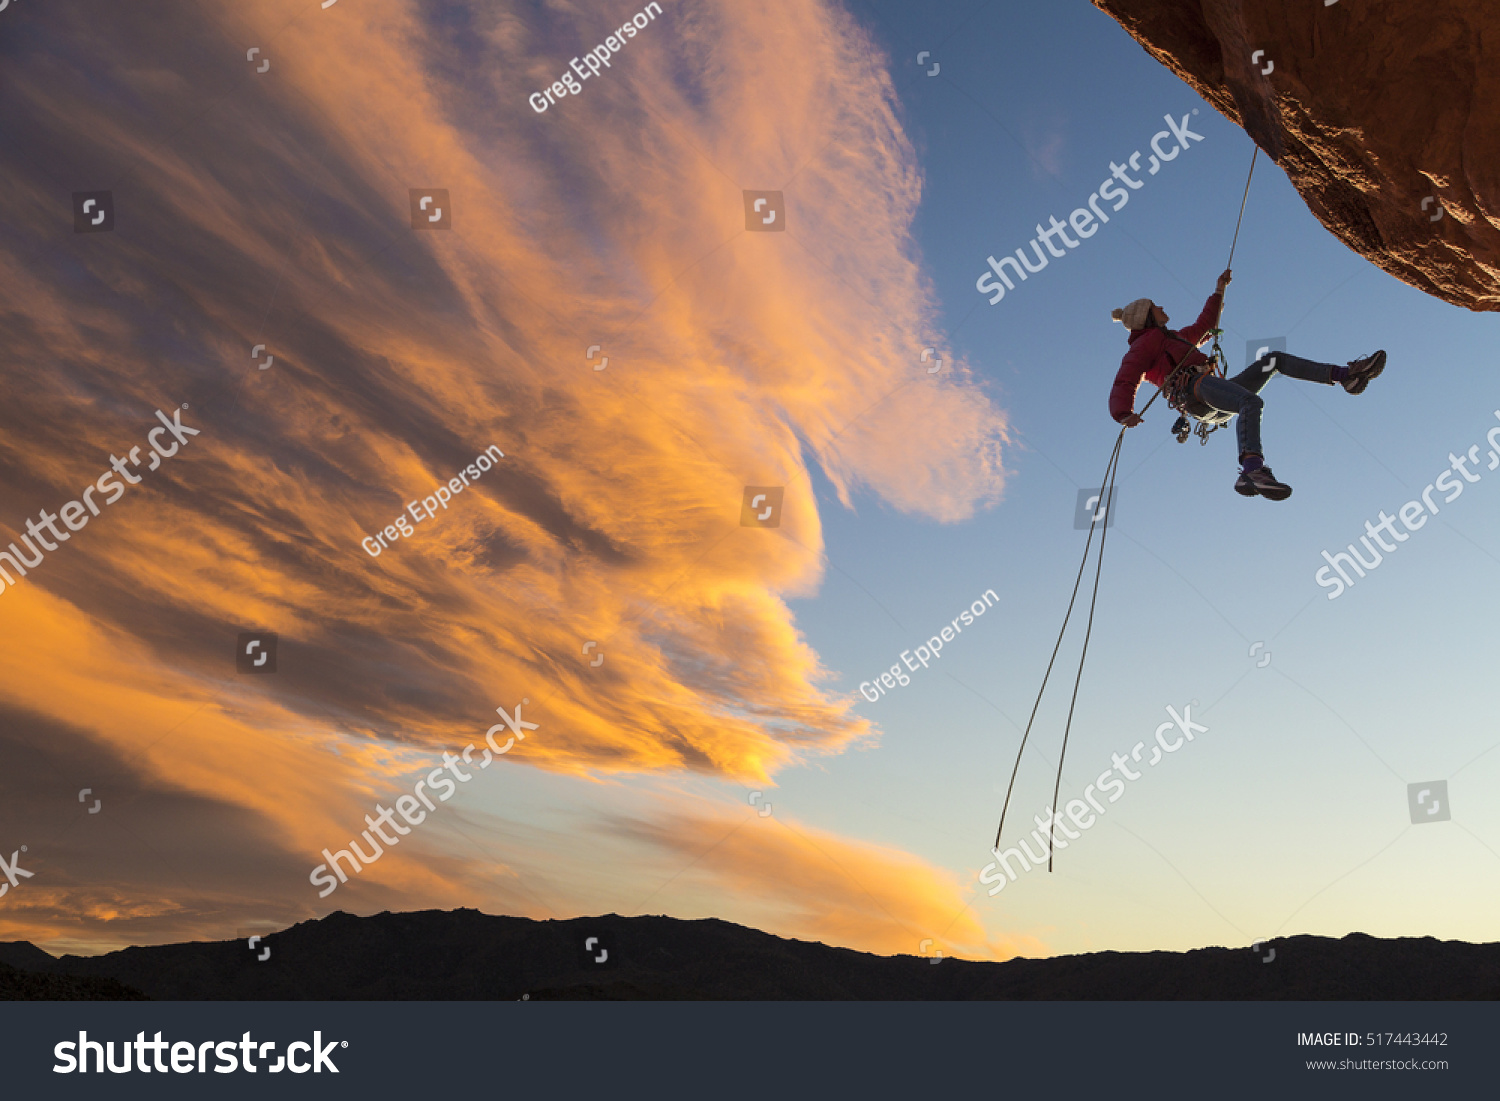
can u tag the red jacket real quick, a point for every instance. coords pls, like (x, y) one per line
(1155, 351)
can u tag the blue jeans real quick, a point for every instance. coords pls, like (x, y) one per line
(1241, 394)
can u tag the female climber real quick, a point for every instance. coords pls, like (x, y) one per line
(1171, 359)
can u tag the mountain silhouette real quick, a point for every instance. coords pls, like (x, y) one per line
(466, 955)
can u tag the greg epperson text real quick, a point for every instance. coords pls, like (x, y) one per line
(373, 544)
(926, 653)
(596, 60)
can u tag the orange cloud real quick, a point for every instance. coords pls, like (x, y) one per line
(277, 214)
(814, 885)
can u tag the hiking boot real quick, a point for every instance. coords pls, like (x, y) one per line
(1362, 371)
(1261, 482)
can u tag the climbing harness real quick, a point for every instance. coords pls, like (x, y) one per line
(1178, 397)
(1178, 388)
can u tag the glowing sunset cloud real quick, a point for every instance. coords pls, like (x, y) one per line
(272, 211)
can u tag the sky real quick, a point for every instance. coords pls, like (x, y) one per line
(720, 760)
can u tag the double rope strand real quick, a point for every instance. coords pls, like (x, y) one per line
(1071, 600)
(1107, 494)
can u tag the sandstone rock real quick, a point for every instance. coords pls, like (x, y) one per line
(1372, 110)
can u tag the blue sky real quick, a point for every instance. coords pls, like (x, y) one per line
(1301, 782)
(1290, 814)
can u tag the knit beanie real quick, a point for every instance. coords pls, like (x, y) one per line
(1135, 315)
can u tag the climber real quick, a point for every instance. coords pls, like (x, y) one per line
(1156, 353)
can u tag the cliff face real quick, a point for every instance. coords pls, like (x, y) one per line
(1386, 118)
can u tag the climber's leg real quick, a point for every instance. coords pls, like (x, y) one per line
(1353, 377)
(1232, 396)
(1255, 477)
(1256, 375)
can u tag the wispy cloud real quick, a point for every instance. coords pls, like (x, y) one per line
(273, 209)
(811, 884)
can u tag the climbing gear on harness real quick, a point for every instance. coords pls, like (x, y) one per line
(1362, 372)
(1178, 387)
(1179, 390)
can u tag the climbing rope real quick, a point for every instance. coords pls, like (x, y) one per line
(1243, 199)
(1107, 494)
(1107, 499)
(1205, 428)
